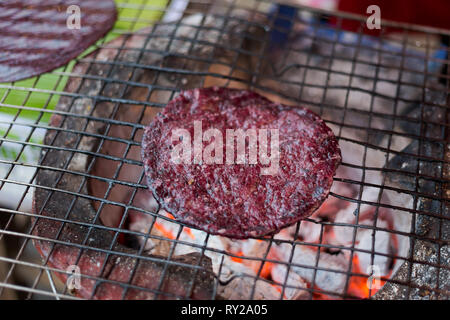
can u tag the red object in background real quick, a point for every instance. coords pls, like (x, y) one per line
(435, 13)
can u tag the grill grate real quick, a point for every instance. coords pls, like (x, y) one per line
(418, 171)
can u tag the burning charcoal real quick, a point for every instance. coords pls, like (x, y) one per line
(141, 222)
(241, 289)
(295, 285)
(310, 231)
(363, 237)
(307, 257)
(343, 234)
(229, 267)
(251, 248)
(382, 245)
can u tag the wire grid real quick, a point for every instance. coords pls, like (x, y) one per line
(23, 237)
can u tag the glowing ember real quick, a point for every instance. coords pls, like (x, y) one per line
(318, 251)
(236, 259)
(246, 257)
(168, 234)
(363, 286)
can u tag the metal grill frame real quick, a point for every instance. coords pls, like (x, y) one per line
(24, 236)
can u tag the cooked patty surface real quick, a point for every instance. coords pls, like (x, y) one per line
(237, 200)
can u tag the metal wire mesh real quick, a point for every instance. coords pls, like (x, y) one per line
(428, 162)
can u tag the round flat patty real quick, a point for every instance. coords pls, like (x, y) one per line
(236, 200)
(35, 37)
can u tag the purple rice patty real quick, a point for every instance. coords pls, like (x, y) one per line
(236, 200)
